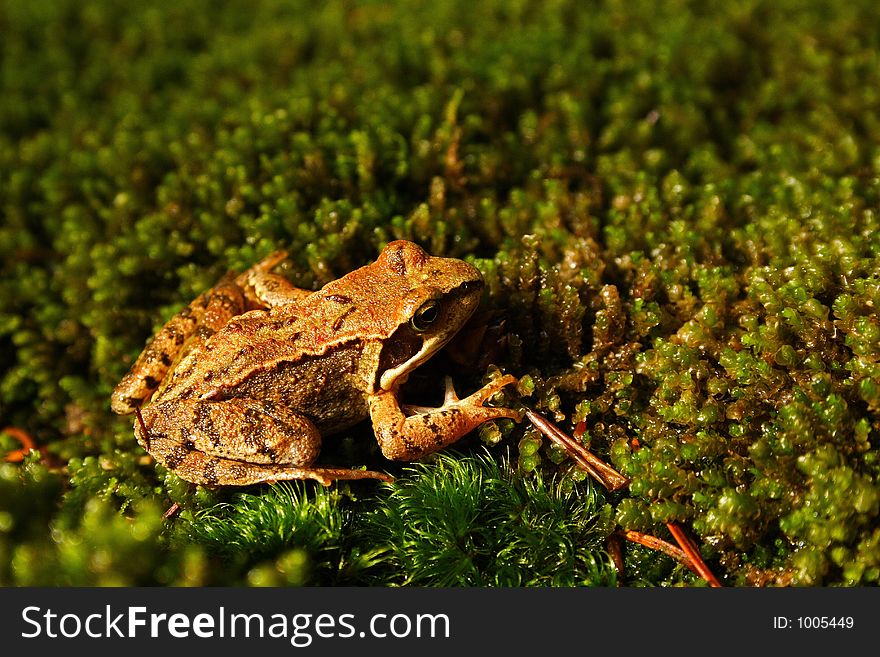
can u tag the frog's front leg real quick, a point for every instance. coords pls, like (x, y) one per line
(236, 442)
(404, 438)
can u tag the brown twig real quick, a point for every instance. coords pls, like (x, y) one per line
(687, 554)
(27, 444)
(690, 549)
(615, 550)
(595, 467)
(659, 544)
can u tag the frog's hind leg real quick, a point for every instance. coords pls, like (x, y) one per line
(200, 468)
(184, 332)
(263, 289)
(255, 289)
(236, 442)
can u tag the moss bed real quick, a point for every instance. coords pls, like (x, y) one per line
(676, 207)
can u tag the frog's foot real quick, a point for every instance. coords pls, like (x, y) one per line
(328, 475)
(268, 263)
(200, 468)
(405, 437)
(263, 289)
(481, 396)
(486, 393)
(450, 397)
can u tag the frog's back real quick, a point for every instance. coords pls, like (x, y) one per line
(339, 318)
(336, 331)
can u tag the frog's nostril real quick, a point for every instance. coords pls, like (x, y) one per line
(468, 286)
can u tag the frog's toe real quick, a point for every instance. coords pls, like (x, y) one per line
(490, 389)
(270, 261)
(450, 396)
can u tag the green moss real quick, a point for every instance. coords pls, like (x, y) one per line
(674, 207)
(460, 522)
(286, 536)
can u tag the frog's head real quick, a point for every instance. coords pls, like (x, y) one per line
(439, 296)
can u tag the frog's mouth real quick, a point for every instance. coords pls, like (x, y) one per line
(407, 348)
(395, 376)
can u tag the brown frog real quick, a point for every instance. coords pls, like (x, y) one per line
(239, 387)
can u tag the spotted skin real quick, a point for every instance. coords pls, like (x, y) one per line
(191, 328)
(154, 362)
(201, 468)
(244, 429)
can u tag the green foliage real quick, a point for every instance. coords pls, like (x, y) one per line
(87, 544)
(674, 206)
(473, 522)
(303, 533)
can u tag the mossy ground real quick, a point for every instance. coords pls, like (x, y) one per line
(675, 206)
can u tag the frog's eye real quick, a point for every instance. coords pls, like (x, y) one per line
(425, 316)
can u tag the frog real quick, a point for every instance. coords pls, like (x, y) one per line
(241, 386)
